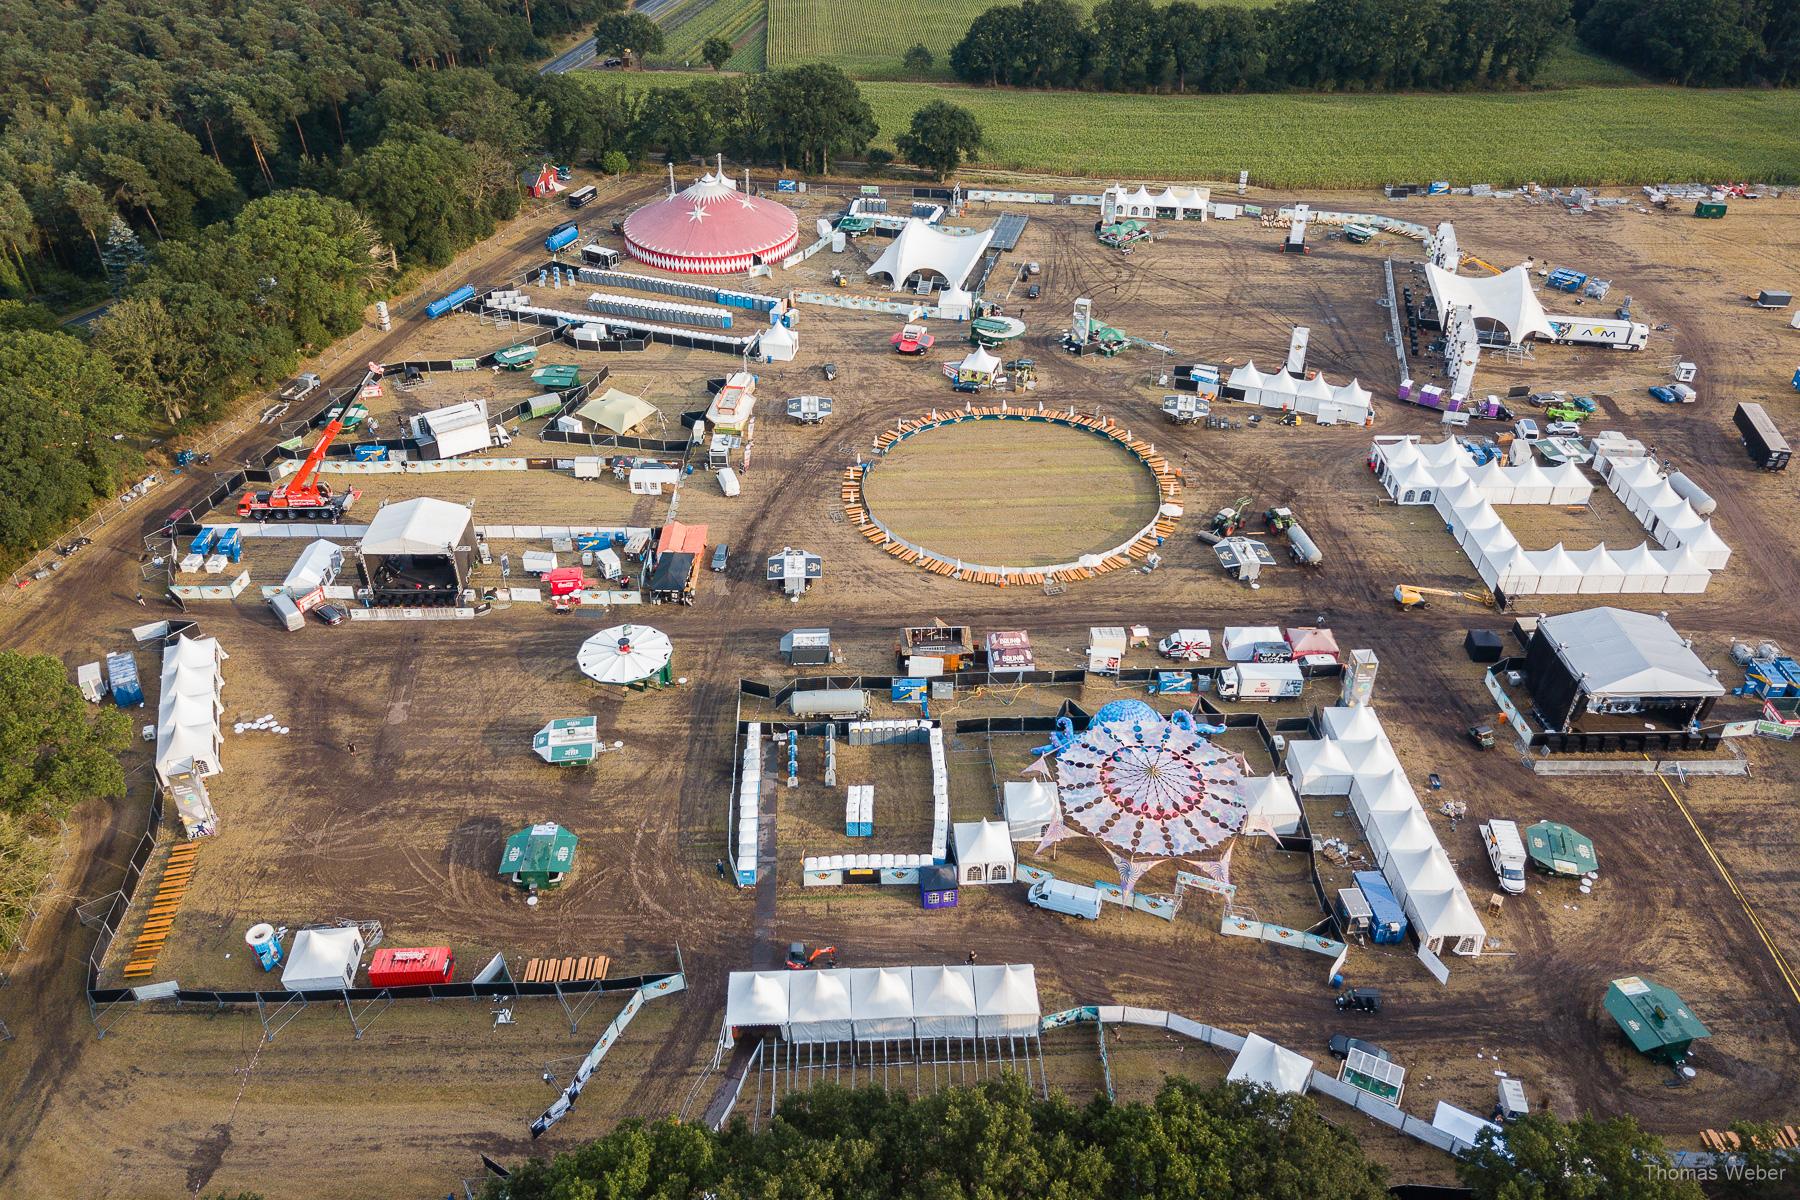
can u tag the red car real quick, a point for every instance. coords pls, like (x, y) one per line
(913, 339)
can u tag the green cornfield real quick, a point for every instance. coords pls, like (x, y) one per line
(1596, 135)
(743, 23)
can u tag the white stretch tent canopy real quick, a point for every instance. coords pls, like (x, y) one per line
(616, 411)
(323, 959)
(1505, 299)
(188, 739)
(921, 247)
(1443, 475)
(984, 852)
(1269, 1065)
(885, 1003)
(418, 526)
(1406, 847)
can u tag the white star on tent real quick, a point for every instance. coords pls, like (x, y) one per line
(696, 213)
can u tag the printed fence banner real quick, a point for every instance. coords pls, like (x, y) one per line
(1070, 1016)
(1110, 892)
(1281, 935)
(821, 878)
(1033, 875)
(1187, 879)
(1157, 906)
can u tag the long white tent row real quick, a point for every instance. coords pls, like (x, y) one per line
(1442, 475)
(1313, 397)
(1642, 487)
(884, 1004)
(188, 739)
(1354, 758)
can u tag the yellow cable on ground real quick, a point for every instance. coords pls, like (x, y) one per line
(1782, 967)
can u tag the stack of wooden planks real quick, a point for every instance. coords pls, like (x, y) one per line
(573, 969)
(160, 920)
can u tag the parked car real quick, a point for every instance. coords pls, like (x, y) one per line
(1666, 395)
(721, 555)
(1562, 429)
(332, 614)
(1033, 292)
(1482, 736)
(1359, 1000)
(1526, 428)
(1341, 1044)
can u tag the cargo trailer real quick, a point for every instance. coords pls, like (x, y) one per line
(1767, 448)
(1589, 331)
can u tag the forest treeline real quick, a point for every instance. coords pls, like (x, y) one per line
(1368, 45)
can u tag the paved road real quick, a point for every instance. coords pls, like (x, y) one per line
(577, 56)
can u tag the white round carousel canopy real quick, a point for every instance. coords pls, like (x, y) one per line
(1148, 786)
(624, 654)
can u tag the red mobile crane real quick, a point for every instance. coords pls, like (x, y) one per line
(306, 496)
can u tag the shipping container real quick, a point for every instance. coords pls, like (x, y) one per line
(1767, 448)
(581, 197)
(1769, 299)
(394, 967)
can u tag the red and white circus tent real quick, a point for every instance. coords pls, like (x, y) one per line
(711, 228)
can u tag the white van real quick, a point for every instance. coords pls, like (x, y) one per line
(1506, 852)
(1186, 645)
(1072, 899)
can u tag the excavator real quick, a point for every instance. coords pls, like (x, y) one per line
(305, 496)
(1409, 597)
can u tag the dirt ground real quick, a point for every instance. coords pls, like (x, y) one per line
(1012, 495)
(406, 829)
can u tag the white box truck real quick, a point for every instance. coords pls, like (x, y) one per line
(1590, 331)
(1265, 681)
(1506, 850)
(1072, 899)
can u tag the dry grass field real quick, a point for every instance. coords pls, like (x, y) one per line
(1011, 493)
(407, 829)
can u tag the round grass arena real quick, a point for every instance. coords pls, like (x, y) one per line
(1019, 493)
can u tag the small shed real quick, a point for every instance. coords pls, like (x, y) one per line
(1559, 850)
(1106, 649)
(806, 647)
(566, 740)
(1353, 910)
(539, 856)
(984, 852)
(1482, 645)
(1655, 1020)
(937, 887)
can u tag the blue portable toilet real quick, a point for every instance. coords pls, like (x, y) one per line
(231, 545)
(265, 940)
(122, 678)
(203, 541)
(1388, 920)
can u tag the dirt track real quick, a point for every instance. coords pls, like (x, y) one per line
(405, 829)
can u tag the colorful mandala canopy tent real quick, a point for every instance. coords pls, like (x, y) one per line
(1150, 786)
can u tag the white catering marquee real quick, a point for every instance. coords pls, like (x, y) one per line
(921, 247)
(885, 1003)
(1354, 758)
(1269, 1065)
(188, 739)
(1442, 474)
(1327, 404)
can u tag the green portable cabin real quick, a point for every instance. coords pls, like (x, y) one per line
(543, 405)
(557, 375)
(515, 358)
(568, 740)
(1359, 234)
(540, 856)
(1656, 1021)
(1558, 850)
(1710, 208)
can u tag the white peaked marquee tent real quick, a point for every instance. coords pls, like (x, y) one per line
(871, 1004)
(1266, 1064)
(1354, 758)
(1326, 403)
(1464, 494)
(1505, 299)
(923, 248)
(188, 739)
(984, 852)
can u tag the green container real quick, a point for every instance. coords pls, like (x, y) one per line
(1708, 208)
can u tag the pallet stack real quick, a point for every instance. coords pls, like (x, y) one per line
(160, 920)
(573, 969)
(1727, 1142)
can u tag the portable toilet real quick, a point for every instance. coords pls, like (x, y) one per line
(122, 678)
(266, 942)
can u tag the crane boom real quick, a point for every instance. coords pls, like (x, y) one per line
(302, 482)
